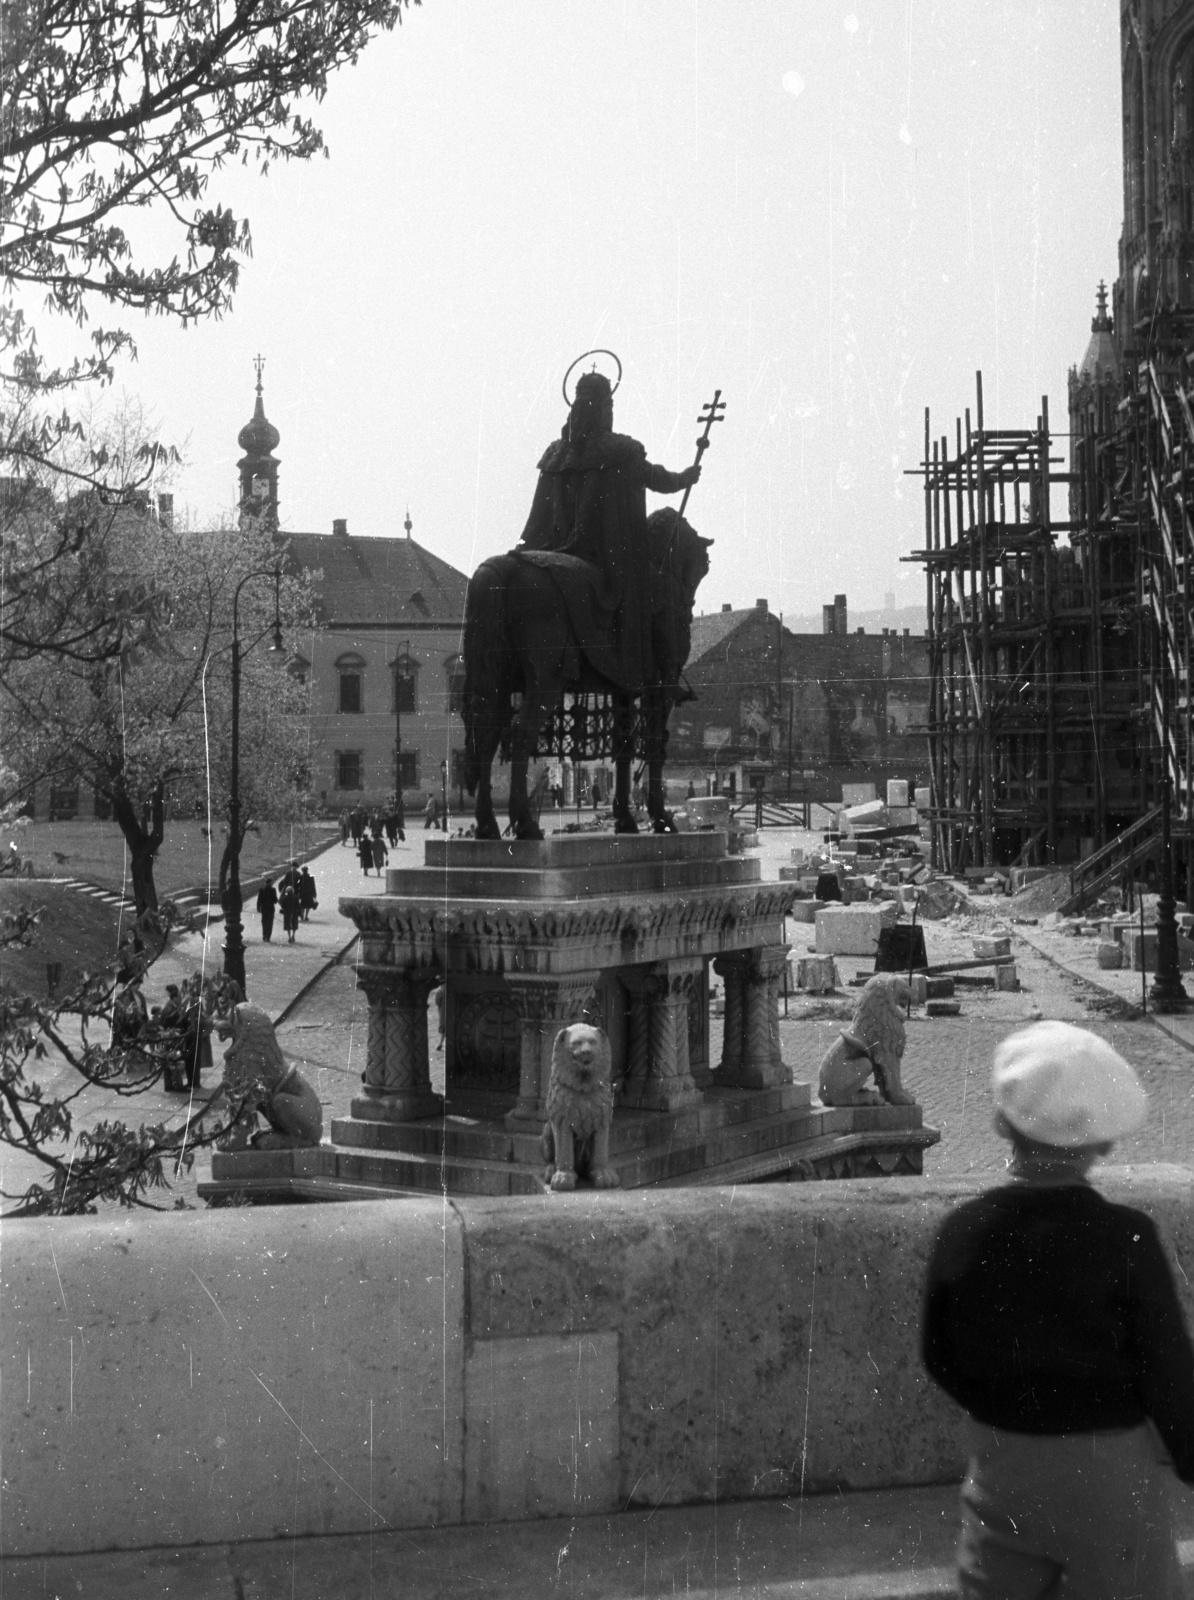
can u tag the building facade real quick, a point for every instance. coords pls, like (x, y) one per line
(383, 658)
(804, 712)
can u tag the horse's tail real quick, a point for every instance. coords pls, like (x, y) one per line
(488, 662)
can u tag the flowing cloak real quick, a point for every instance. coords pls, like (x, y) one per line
(590, 502)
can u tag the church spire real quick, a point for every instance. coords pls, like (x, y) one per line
(258, 467)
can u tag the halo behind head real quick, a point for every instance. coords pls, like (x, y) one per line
(613, 388)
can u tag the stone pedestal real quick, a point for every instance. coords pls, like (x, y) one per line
(396, 1078)
(528, 937)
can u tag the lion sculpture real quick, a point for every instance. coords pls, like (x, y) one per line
(580, 1107)
(258, 1078)
(873, 1045)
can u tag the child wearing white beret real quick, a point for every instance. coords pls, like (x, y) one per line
(1052, 1317)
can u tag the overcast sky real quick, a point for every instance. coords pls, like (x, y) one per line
(832, 210)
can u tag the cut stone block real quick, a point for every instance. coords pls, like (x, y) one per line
(1142, 948)
(816, 974)
(944, 1008)
(901, 817)
(858, 794)
(897, 791)
(939, 988)
(805, 910)
(920, 988)
(1110, 955)
(991, 949)
(853, 930)
(1006, 978)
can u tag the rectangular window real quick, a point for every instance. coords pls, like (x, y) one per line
(408, 763)
(350, 692)
(348, 769)
(103, 807)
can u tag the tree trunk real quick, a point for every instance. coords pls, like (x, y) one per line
(143, 843)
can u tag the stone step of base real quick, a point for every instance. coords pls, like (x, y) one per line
(633, 1131)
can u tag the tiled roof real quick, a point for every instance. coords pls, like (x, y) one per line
(388, 581)
(714, 629)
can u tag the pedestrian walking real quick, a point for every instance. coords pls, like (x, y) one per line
(1051, 1316)
(196, 1035)
(306, 894)
(596, 793)
(344, 830)
(400, 819)
(356, 822)
(431, 813)
(365, 853)
(267, 904)
(288, 903)
(380, 854)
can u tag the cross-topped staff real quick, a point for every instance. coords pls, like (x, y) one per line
(711, 414)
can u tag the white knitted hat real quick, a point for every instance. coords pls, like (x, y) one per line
(1064, 1086)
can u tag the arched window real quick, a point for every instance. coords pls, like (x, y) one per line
(351, 671)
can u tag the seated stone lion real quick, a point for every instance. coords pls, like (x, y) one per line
(580, 1107)
(873, 1044)
(258, 1079)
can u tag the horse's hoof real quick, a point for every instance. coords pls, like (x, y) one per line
(488, 830)
(530, 831)
(625, 825)
(563, 1182)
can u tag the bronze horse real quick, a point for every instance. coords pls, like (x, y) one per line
(523, 651)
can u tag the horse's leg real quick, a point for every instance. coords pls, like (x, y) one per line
(489, 737)
(656, 715)
(524, 735)
(623, 760)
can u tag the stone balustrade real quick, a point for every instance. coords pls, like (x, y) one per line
(258, 1373)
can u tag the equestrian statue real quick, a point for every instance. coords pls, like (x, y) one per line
(575, 641)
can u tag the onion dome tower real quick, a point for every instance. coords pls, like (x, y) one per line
(258, 467)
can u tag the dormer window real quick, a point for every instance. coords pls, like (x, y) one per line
(419, 601)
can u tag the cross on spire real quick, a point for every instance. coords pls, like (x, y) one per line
(259, 363)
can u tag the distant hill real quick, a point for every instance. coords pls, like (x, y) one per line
(901, 617)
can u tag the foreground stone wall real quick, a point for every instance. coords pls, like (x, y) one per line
(277, 1372)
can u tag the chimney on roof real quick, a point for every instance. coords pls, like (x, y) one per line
(408, 524)
(166, 510)
(727, 607)
(760, 605)
(828, 620)
(339, 527)
(840, 624)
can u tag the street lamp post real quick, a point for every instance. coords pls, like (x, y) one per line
(443, 779)
(400, 677)
(234, 941)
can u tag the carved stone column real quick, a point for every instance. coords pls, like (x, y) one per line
(396, 1077)
(544, 1006)
(668, 1084)
(755, 1060)
(732, 970)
